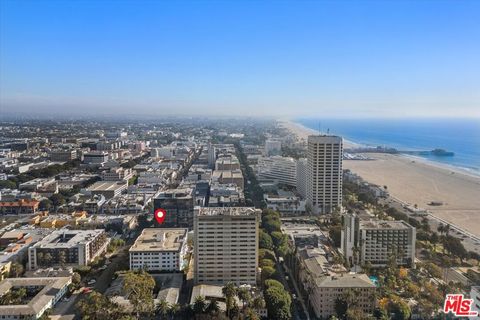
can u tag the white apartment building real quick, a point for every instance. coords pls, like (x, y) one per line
(273, 147)
(376, 240)
(108, 189)
(324, 173)
(159, 249)
(95, 157)
(63, 155)
(283, 170)
(226, 245)
(68, 247)
(117, 174)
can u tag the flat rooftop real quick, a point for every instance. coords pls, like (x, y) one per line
(178, 193)
(68, 238)
(51, 287)
(106, 186)
(345, 281)
(160, 239)
(384, 225)
(226, 211)
(325, 139)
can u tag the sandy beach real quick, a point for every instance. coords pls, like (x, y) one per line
(416, 181)
(302, 132)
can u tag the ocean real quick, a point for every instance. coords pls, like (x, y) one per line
(462, 136)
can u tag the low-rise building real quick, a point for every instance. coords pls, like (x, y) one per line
(95, 157)
(228, 177)
(159, 249)
(68, 247)
(323, 282)
(226, 195)
(109, 189)
(47, 186)
(63, 155)
(42, 294)
(22, 206)
(117, 174)
(287, 204)
(326, 291)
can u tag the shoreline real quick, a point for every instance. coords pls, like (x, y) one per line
(303, 132)
(416, 180)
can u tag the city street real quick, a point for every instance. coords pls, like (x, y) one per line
(297, 312)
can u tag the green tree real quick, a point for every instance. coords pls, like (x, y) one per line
(96, 306)
(455, 247)
(174, 310)
(266, 254)
(57, 200)
(212, 308)
(267, 263)
(278, 303)
(7, 184)
(48, 259)
(335, 233)
(244, 295)
(229, 291)
(279, 239)
(199, 306)
(45, 205)
(162, 309)
(16, 270)
(62, 257)
(268, 273)
(138, 288)
(355, 313)
(265, 241)
(400, 309)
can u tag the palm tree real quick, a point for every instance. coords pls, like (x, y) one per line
(244, 295)
(447, 229)
(162, 309)
(212, 308)
(434, 240)
(199, 305)
(174, 309)
(441, 229)
(229, 291)
(258, 303)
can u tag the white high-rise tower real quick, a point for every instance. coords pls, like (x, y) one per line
(324, 168)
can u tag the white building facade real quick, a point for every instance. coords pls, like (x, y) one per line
(159, 249)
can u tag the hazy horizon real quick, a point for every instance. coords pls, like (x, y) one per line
(365, 59)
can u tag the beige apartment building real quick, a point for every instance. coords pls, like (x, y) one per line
(376, 240)
(324, 173)
(226, 245)
(323, 283)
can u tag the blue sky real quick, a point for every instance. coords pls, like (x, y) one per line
(278, 58)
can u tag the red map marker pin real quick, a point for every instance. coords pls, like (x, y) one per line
(160, 215)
